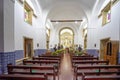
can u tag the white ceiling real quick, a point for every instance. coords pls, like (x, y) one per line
(67, 9)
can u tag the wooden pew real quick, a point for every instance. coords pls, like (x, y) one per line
(45, 58)
(99, 67)
(49, 56)
(41, 62)
(90, 62)
(106, 77)
(102, 70)
(22, 77)
(85, 58)
(96, 74)
(29, 69)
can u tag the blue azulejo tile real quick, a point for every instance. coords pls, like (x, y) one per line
(39, 52)
(19, 54)
(6, 58)
(93, 52)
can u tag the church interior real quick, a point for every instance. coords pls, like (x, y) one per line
(60, 39)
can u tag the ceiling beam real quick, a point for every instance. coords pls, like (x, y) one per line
(66, 20)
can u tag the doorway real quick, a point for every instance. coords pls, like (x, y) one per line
(28, 47)
(103, 48)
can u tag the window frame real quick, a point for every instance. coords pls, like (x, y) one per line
(105, 11)
(29, 10)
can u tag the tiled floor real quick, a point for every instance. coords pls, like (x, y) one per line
(66, 68)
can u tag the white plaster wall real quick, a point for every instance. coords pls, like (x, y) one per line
(36, 31)
(8, 25)
(99, 32)
(1, 27)
(81, 34)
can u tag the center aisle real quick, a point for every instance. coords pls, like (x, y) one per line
(66, 68)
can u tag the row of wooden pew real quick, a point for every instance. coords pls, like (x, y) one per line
(47, 68)
(39, 68)
(91, 68)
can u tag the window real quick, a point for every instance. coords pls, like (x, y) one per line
(28, 13)
(106, 14)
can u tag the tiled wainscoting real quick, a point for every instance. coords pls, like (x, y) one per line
(11, 57)
(19, 54)
(93, 52)
(6, 58)
(39, 51)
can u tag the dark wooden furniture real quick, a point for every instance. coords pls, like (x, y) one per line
(22, 77)
(49, 56)
(45, 58)
(55, 62)
(90, 62)
(85, 58)
(111, 52)
(106, 77)
(101, 70)
(34, 70)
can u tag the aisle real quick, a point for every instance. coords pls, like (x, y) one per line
(66, 68)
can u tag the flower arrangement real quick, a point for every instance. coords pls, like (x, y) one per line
(58, 52)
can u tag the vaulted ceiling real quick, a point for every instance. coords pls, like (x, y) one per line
(67, 10)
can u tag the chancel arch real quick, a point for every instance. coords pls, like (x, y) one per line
(66, 37)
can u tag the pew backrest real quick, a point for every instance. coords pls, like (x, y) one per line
(22, 77)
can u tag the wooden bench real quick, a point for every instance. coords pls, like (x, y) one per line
(35, 70)
(45, 58)
(106, 77)
(55, 62)
(90, 62)
(99, 69)
(49, 56)
(85, 58)
(22, 77)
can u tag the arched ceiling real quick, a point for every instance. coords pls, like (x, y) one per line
(72, 8)
(67, 10)
(66, 30)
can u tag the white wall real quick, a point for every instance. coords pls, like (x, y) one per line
(96, 31)
(8, 25)
(36, 31)
(1, 27)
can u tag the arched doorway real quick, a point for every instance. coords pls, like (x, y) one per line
(66, 37)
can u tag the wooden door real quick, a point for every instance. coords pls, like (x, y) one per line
(103, 48)
(28, 47)
(112, 52)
